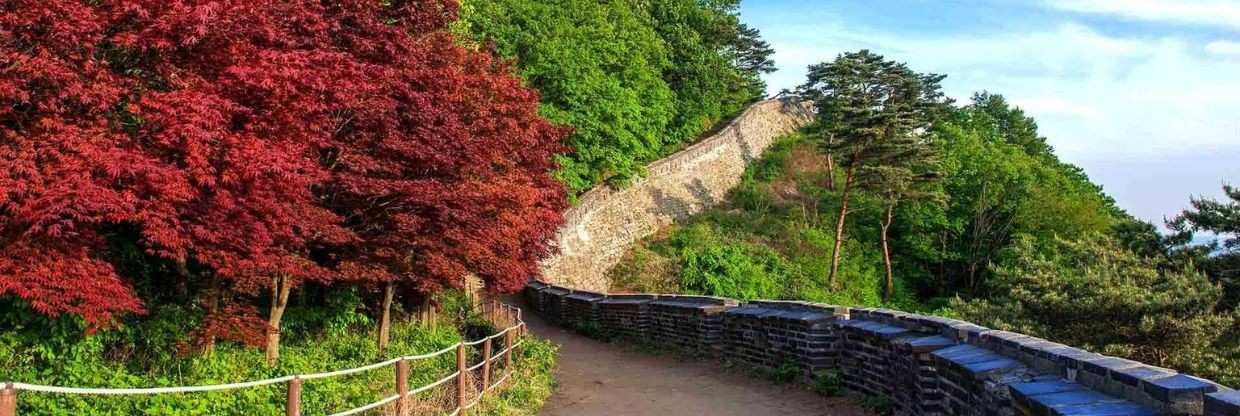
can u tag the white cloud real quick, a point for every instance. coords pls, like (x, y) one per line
(1224, 48)
(1058, 107)
(1222, 13)
(1119, 106)
(1089, 91)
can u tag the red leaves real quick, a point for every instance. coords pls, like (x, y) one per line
(349, 141)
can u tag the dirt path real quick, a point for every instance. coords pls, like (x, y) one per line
(596, 378)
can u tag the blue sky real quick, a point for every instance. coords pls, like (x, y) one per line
(1142, 94)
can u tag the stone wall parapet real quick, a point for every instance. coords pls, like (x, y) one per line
(924, 365)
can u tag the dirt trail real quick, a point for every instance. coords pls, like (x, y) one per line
(596, 378)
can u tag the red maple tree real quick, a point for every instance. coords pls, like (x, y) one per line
(271, 142)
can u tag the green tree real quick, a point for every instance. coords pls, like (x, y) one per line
(911, 164)
(598, 67)
(869, 108)
(1003, 181)
(1093, 293)
(636, 79)
(1222, 218)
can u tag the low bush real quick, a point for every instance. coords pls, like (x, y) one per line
(36, 350)
(828, 383)
(533, 381)
(769, 241)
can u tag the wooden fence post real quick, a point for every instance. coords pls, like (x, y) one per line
(402, 387)
(486, 365)
(508, 355)
(460, 378)
(8, 400)
(293, 408)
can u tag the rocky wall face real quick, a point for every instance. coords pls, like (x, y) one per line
(607, 222)
(920, 365)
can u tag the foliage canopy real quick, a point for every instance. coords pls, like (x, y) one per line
(635, 79)
(262, 144)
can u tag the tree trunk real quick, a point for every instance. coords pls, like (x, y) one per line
(890, 286)
(942, 278)
(830, 172)
(182, 279)
(839, 230)
(212, 307)
(385, 323)
(426, 311)
(280, 289)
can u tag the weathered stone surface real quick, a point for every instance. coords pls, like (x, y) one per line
(689, 323)
(771, 335)
(1061, 397)
(606, 222)
(625, 315)
(1223, 403)
(581, 308)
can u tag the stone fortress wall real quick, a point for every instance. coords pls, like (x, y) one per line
(923, 365)
(606, 222)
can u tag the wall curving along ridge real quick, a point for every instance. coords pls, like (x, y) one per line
(607, 222)
(920, 365)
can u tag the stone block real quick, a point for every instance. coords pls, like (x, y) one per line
(581, 308)
(1223, 403)
(625, 315)
(1178, 394)
(690, 323)
(530, 293)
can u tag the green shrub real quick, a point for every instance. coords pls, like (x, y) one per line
(786, 373)
(90, 362)
(880, 405)
(37, 350)
(828, 383)
(1094, 294)
(770, 240)
(738, 271)
(589, 329)
(533, 381)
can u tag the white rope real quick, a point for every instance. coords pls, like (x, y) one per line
(349, 371)
(270, 381)
(433, 354)
(500, 354)
(501, 381)
(151, 390)
(497, 335)
(485, 391)
(455, 412)
(450, 377)
(357, 410)
(476, 400)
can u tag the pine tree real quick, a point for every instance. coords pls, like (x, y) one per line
(909, 165)
(867, 105)
(1219, 261)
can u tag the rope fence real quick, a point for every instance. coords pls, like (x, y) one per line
(472, 381)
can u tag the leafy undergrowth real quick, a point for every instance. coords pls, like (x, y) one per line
(142, 355)
(767, 241)
(531, 383)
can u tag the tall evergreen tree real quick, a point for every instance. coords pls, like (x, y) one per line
(1222, 218)
(867, 107)
(909, 164)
